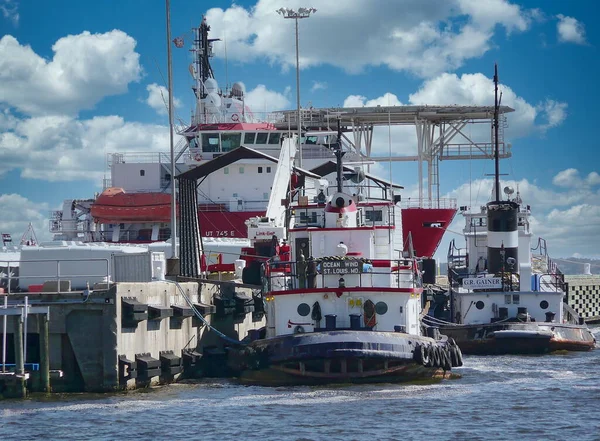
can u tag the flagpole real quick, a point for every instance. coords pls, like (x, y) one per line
(174, 253)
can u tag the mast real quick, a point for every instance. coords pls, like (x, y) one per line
(496, 126)
(338, 155)
(174, 254)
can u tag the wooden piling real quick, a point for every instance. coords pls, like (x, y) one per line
(44, 353)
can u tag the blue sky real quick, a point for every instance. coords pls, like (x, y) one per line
(77, 82)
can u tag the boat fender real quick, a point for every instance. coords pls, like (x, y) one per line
(430, 350)
(459, 355)
(447, 364)
(438, 356)
(420, 355)
(299, 329)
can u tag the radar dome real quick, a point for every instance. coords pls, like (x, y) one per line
(211, 85)
(213, 102)
(238, 89)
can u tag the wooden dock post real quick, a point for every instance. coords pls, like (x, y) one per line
(19, 390)
(44, 353)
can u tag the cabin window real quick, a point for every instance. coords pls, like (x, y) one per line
(274, 138)
(210, 142)
(479, 305)
(303, 309)
(516, 299)
(265, 195)
(401, 309)
(235, 195)
(193, 143)
(261, 137)
(381, 308)
(507, 299)
(226, 170)
(249, 138)
(230, 141)
(260, 169)
(268, 169)
(142, 172)
(544, 304)
(241, 170)
(374, 215)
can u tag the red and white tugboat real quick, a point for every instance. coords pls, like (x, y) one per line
(341, 305)
(503, 300)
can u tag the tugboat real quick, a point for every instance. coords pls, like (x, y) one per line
(340, 306)
(502, 299)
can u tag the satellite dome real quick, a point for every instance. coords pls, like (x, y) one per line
(212, 102)
(238, 89)
(211, 85)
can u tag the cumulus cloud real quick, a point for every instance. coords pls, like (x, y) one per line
(567, 217)
(84, 69)
(468, 89)
(424, 38)
(318, 85)
(10, 10)
(62, 148)
(570, 178)
(18, 212)
(570, 30)
(158, 99)
(260, 99)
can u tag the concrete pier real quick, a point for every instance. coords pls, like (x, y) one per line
(123, 335)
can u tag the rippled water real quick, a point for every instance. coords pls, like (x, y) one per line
(555, 397)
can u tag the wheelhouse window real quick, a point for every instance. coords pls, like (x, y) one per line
(373, 215)
(230, 141)
(249, 138)
(210, 142)
(260, 169)
(261, 137)
(193, 143)
(274, 138)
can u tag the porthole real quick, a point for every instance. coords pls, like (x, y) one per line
(303, 309)
(544, 304)
(381, 308)
(479, 305)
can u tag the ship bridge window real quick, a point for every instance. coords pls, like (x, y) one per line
(249, 138)
(268, 169)
(274, 138)
(374, 215)
(210, 142)
(230, 141)
(261, 137)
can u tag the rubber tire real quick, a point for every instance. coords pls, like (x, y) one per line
(430, 356)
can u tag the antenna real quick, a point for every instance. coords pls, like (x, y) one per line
(496, 125)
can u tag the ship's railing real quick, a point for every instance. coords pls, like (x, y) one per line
(510, 282)
(283, 275)
(367, 216)
(142, 235)
(54, 269)
(448, 203)
(139, 157)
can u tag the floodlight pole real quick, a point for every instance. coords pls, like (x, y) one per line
(301, 13)
(174, 254)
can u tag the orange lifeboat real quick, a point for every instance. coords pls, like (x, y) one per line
(114, 205)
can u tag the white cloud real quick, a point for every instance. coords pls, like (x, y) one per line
(570, 30)
(261, 100)
(568, 218)
(468, 89)
(424, 38)
(18, 212)
(318, 85)
(61, 148)
(570, 178)
(158, 98)
(84, 69)
(10, 10)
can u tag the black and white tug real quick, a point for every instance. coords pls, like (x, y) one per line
(502, 298)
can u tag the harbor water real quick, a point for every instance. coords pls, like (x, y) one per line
(554, 397)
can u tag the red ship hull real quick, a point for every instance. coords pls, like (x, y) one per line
(113, 206)
(427, 227)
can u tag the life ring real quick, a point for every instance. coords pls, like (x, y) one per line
(198, 157)
(235, 117)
